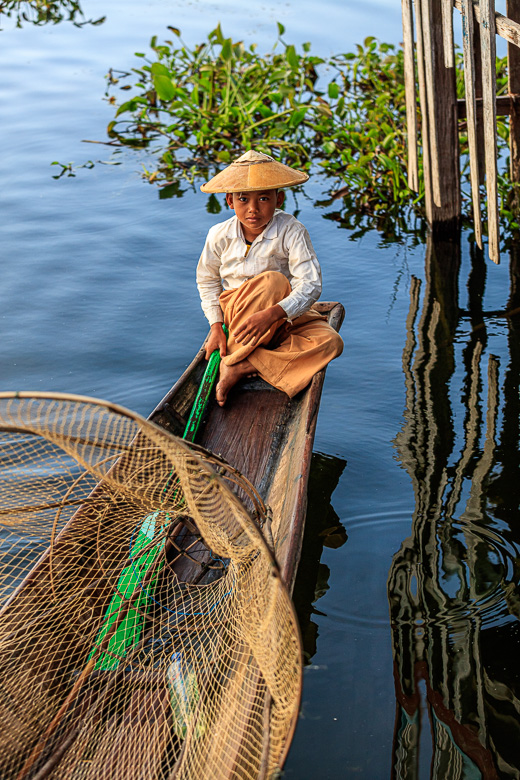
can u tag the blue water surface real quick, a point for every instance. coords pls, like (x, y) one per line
(98, 297)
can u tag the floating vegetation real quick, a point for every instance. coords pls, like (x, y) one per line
(194, 109)
(40, 12)
(208, 104)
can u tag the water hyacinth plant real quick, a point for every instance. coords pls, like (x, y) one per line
(194, 109)
(206, 105)
(41, 12)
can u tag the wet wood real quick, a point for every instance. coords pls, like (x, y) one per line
(469, 80)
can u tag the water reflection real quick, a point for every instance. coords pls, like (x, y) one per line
(322, 529)
(51, 12)
(453, 587)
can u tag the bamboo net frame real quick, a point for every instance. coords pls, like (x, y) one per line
(145, 631)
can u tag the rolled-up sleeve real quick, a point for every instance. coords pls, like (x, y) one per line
(305, 272)
(209, 282)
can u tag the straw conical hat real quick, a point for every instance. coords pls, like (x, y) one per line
(254, 171)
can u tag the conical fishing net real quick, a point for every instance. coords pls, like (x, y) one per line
(144, 629)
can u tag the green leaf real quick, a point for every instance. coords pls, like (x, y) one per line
(281, 28)
(164, 88)
(292, 57)
(158, 69)
(333, 90)
(217, 35)
(227, 50)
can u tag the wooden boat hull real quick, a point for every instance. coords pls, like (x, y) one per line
(266, 436)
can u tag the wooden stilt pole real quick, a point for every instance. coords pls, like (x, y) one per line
(431, 72)
(446, 211)
(488, 33)
(477, 61)
(410, 96)
(423, 99)
(447, 33)
(471, 110)
(513, 69)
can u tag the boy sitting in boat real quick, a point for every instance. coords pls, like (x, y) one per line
(258, 273)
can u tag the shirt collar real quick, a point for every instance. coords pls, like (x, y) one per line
(270, 230)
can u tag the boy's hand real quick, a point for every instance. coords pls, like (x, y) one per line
(257, 325)
(216, 340)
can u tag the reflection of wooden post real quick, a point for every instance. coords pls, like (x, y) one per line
(513, 69)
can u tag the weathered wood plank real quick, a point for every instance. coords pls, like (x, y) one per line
(425, 125)
(430, 73)
(469, 79)
(447, 214)
(513, 71)
(508, 29)
(447, 32)
(410, 94)
(504, 103)
(488, 33)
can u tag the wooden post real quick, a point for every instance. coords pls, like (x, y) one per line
(447, 29)
(448, 212)
(444, 141)
(425, 140)
(409, 89)
(471, 111)
(431, 73)
(513, 70)
(488, 38)
(477, 59)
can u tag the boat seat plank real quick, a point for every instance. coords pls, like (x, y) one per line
(144, 723)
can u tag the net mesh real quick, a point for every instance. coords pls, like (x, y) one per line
(144, 628)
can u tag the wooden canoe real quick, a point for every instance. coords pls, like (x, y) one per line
(264, 434)
(268, 438)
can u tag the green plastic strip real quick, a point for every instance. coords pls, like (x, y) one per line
(129, 630)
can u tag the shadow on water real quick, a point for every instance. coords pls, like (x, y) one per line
(322, 529)
(453, 587)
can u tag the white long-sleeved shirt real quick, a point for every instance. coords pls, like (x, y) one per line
(284, 245)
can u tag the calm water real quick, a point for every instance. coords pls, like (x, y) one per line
(413, 636)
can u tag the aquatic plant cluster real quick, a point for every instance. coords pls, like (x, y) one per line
(196, 108)
(200, 107)
(40, 12)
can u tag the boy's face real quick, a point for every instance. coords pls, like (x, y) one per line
(254, 209)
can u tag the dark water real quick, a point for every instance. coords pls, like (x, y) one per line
(410, 623)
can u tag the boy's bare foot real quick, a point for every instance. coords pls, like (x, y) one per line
(229, 376)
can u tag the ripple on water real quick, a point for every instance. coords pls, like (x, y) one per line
(455, 572)
(452, 572)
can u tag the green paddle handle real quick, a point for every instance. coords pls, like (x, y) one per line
(203, 394)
